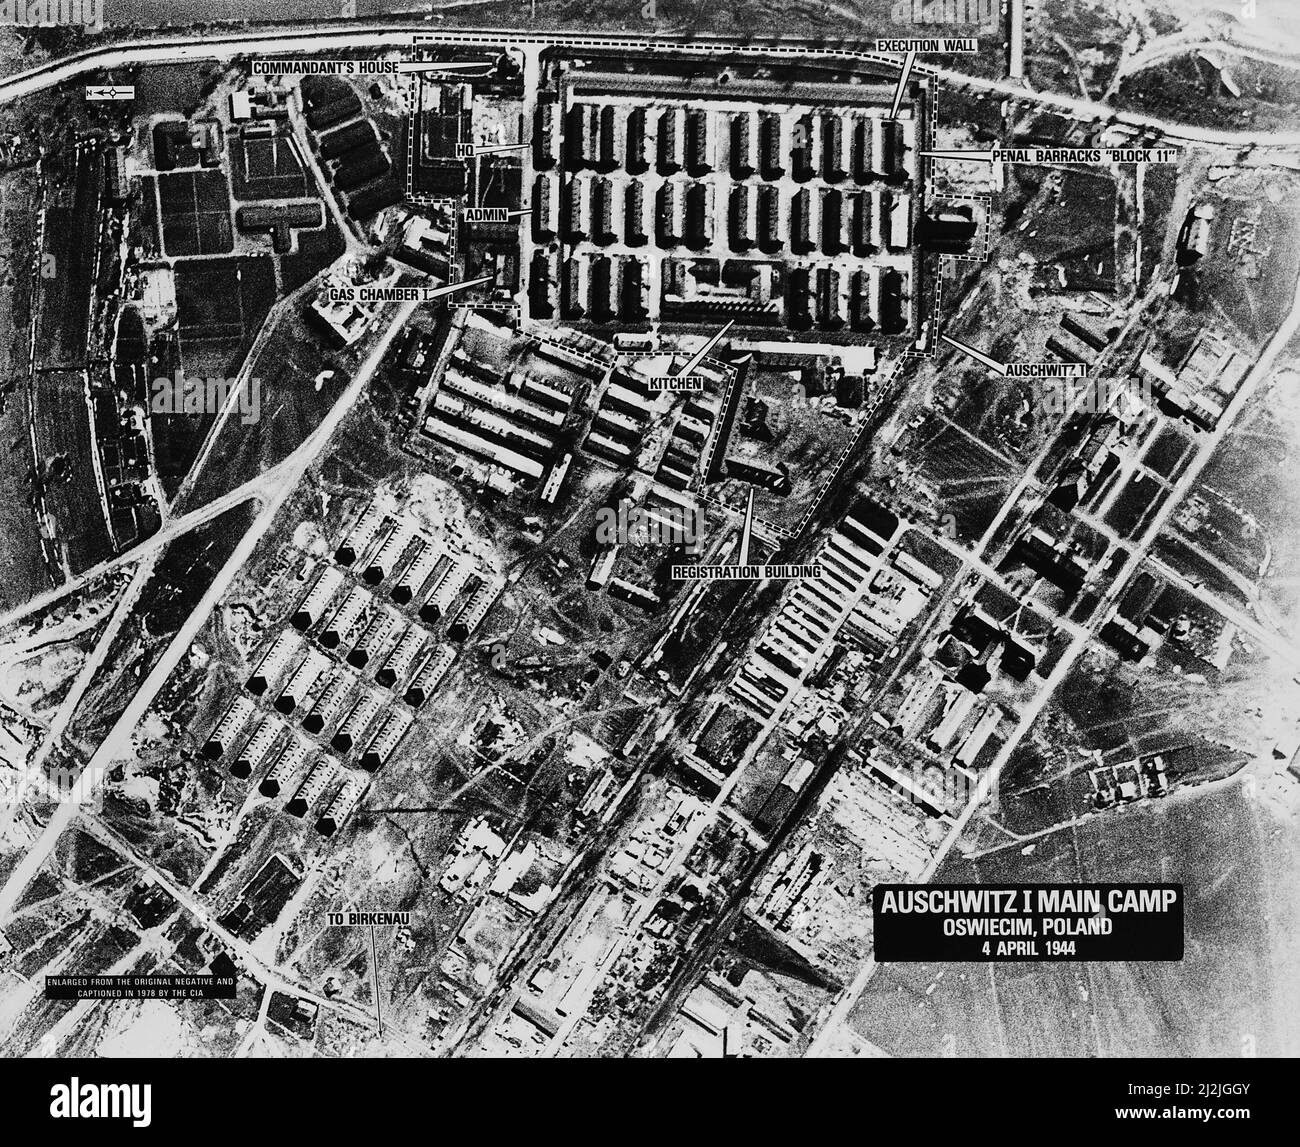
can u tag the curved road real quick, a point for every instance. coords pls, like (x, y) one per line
(387, 36)
(1167, 49)
(117, 744)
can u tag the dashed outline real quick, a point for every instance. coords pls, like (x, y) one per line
(410, 137)
(512, 309)
(926, 180)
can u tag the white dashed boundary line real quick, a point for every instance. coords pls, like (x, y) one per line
(927, 182)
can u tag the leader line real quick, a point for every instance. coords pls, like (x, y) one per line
(374, 956)
(699, 356)
(971, 156)
(999, 368)
(452, 288)
(906, 73)
(502, 147)
(435, 66)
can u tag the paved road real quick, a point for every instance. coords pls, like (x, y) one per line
(272, 979)
(387, 36)
(988, 782)
(254, 488)
(116, 745)
(1276, 643)
(1170, 47)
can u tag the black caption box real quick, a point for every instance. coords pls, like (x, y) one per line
(958, 922)
(140, 987)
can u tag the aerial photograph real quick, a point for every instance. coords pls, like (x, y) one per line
(647, 529)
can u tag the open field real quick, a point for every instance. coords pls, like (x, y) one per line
(1216, 841)
(67, 470)
(23, 569)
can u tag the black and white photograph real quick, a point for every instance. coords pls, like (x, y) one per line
(649, 529)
